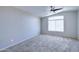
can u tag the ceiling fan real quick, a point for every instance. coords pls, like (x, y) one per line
(54, 9)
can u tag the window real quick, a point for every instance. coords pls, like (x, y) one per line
(56, 23)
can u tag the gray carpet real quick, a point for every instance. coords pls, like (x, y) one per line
(46, 43)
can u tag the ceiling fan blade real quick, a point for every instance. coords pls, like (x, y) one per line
(58, 9)
(55, 9)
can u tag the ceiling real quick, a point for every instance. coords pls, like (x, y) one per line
(42, 11)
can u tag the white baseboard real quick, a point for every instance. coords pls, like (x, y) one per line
(16, 43)
(65, 36)
(11, 45)
(78, 37)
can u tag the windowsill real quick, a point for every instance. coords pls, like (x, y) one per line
(57, 31)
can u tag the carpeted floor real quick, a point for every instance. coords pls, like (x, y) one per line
(46, 43)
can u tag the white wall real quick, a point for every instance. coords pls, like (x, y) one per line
(16, 26)
(70, 25)
(78, 25)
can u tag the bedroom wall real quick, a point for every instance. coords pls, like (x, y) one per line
(70, 25)
(16, 26)
(78, 25)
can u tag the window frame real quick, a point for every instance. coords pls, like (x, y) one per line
(55, 23)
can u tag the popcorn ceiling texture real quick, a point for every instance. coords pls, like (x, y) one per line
(46, 43)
